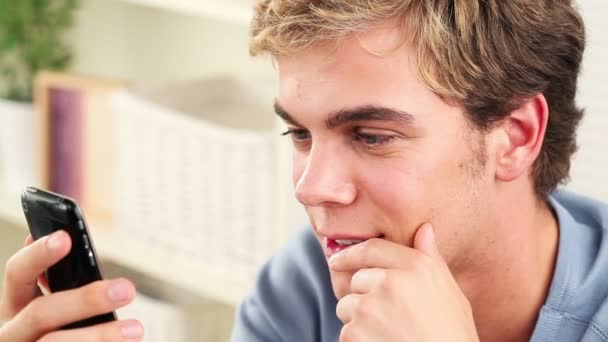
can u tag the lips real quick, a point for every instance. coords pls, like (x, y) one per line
(336, 245)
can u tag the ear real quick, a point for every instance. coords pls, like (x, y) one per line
(522, 135)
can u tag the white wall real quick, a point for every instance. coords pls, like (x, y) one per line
(117, 39)
(590, 168)
(11, 239)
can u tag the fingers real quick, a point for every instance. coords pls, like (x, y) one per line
(347, 307)
(424, 241)
(43, 283)
(49, 313)
(373, 253)
(130, 330)
(368, 279)
(28, 241)
(23, 269)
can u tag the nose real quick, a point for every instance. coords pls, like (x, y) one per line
(326, 179)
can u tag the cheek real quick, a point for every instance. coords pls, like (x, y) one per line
(399, 193)
(409, 193)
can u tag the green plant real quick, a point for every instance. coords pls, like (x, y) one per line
(31, 39)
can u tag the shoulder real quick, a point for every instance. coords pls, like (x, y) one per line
(298, 266)
(292, 298)
(585, 210)
(579, 293)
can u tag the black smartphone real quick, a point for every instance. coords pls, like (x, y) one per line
(47, 212)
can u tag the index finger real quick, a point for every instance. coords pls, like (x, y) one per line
(23, 269)
(373, 253)
(28, 241)
(43, 283)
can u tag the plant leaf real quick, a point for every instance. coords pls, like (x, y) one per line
(31, 39)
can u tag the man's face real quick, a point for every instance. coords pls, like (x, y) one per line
(376, 153)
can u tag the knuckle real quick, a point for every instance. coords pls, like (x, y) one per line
(384, 276)
(45, 338)
(339, 306)
(106, 332)
(56, 336)
(366, 250)
(34, 314)
(341, 310)
(373, 244)
(93, 296)
(357, 278)
(348, 333)
(363, 308)
(7, 311)
(422, 265)
(389, 282)
(51, 337)
(10, 271)
(6, 314)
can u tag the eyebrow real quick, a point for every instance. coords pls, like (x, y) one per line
(356, 114)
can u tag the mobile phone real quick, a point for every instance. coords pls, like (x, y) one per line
(47, 212)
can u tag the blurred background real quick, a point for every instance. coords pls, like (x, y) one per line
(154, 117)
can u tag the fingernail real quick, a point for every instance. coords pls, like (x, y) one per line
(54, 242)
(119, 292)
(131, 329)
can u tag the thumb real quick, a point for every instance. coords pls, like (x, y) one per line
(424, 241)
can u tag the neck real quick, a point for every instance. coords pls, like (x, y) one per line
(512, 270)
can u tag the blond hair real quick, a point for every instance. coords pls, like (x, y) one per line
(487, 55)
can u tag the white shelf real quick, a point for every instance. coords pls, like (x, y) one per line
(238, 11)
(127, 251)
(10, 210)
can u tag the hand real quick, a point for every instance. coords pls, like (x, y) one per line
(31, 316)
(402, 294)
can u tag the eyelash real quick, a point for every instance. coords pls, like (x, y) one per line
(294, 132)
(377, 139)
(360, 137)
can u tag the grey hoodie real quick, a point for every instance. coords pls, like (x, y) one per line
(293, 301)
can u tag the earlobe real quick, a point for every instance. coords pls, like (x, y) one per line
(524, 132)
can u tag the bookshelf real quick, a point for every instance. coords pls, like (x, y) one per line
(126, 251)
(180, 33)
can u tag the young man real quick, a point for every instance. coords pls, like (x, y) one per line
(429, 138)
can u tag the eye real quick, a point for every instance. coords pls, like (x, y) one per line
(297, 135)
(372, 140)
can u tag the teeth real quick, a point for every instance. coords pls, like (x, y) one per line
(348, 242)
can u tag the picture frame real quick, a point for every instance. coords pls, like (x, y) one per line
(75, 125)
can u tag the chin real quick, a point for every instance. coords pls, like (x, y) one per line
(340, 282)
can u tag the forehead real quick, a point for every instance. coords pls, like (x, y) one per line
(371, 68)
(365, 55)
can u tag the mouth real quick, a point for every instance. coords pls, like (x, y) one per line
(336, 245)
